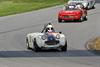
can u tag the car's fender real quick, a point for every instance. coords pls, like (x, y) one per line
(62, 39)
(31, 37)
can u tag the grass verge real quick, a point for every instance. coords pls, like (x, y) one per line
(94, 45)
(8, 7)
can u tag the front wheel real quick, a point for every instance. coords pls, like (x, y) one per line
(81, 19)
(64, 48)
(36, 47)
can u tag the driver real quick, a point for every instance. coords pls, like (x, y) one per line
(49, 28)
(49, 32)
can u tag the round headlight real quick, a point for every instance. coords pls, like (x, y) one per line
(58, 36)
(43, 37)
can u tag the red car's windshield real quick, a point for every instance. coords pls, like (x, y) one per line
(71, 7)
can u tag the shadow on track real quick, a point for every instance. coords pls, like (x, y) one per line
(48, 53)
(71, 22)
(75, 21)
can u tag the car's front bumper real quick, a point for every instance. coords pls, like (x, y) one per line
(51, 45)
(52, 42)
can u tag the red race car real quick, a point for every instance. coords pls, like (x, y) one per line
(73, 12)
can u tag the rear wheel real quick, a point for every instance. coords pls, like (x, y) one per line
(85, 18)
(36, 47)
(81, 19)
(64, 48)
(59, 20)
(28, 47)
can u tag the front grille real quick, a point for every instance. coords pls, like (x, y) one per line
(51, 42)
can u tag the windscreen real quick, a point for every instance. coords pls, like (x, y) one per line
(70, 7)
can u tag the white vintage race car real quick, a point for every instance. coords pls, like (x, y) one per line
(88, 4)
(46, 40)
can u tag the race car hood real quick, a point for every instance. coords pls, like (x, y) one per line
(52, 36)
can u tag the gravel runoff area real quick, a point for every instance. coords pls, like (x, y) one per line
(94, 45)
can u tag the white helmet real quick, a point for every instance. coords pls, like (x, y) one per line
(49, 28)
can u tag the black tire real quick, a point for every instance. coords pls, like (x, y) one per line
(87, 7)
(64, 48)
(85, 18)
(81, 19)
(59, 20)
(93, 7)
(27, 44)
(36, 48)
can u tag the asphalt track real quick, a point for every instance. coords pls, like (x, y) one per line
(13, 30)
